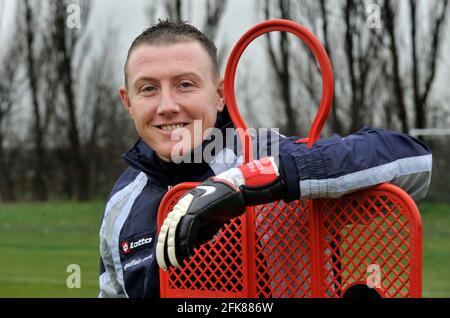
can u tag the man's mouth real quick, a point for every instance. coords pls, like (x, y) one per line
(171, 127)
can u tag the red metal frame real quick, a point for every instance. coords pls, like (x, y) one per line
(289, 252)
(325, 68)
(317, 248)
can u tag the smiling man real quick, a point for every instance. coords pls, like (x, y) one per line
(173, 88)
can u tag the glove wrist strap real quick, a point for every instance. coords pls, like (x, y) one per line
(257, 173)
(260, 172)
(233, 176)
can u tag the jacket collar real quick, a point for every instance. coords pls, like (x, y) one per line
(143, 158)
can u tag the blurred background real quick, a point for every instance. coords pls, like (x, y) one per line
(63, 128)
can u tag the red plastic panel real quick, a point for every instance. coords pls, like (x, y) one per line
(305, 249)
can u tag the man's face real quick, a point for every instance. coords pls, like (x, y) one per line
(169, 87)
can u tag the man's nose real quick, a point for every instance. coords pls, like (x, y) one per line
(167, 104)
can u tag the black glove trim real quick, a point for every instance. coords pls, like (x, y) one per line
(205, 219)
(289, 174)
(271, 192)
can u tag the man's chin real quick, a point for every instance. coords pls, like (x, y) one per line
(178, 151)
(164, 158)
(174, 155)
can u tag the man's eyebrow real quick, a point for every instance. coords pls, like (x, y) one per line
(144, 79)
(188, 74)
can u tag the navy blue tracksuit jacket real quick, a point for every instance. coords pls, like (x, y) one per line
(331, 168)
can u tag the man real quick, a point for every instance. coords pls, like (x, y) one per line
(173, 88)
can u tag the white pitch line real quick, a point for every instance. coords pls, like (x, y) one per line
(41, 280)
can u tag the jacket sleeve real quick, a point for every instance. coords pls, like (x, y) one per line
(339, 165)
(120, 201)
(109, 287)
(108, 281)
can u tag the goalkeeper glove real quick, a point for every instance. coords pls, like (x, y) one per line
(201, 212)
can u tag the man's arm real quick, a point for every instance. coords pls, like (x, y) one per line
(331, 168)
(336, 166)
(111, 278)
(109, 287)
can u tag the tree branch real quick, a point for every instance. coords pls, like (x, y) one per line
(436, 43)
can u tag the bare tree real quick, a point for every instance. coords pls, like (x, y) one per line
(101, 107)
(281, 65)
(65, 42)
(349, 10)
(9, 88)
(213, 16)
(8, 100)
(424, 58)
(174, 9)
(39, 184)
(361, 50)
(397, 79)
(178, 10)
(35, 56)
(336, 122)
(422, 89)
(354, 51)
(85, 138)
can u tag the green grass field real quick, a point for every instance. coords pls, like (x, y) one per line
(39, 240)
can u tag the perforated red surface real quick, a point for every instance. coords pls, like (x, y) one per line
(307, 249)
(316, 248)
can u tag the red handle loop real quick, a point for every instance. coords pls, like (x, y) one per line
(325, 69)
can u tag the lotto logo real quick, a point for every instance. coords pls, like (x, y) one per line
(133, 244)
(125, 248)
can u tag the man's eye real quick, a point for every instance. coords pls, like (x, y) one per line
(148, 89)
(186, 84)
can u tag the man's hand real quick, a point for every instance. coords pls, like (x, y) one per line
(202, 211)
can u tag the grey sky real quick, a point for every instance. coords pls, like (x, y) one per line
(129, 18)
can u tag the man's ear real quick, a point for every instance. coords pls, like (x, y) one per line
(221, 96)
(123, 93)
